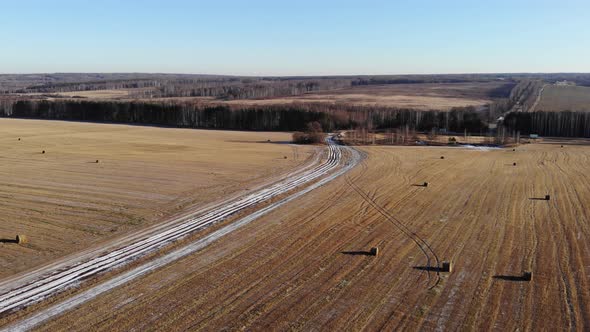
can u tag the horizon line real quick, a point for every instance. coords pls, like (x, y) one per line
(302, 75)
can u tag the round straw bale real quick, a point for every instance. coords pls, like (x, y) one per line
(21, 239)
(527, 276)
(446, 267)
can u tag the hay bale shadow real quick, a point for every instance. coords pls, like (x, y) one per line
(8, 241)
(511, 278)
(429, 268)
(357, 253)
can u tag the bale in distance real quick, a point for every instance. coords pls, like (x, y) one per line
(285, 157)
(547, 197)
(43, 152)
(21, 239)
(97, 161)
(513, 164)
(374, 251)
(527, 276)
(425, 184)
(442, 157)
(446, 267)
(19, 138)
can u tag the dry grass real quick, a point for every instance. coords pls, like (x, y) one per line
(565, 98)
(97, 94)
(292, 269)
(64, 201)
(416, 96)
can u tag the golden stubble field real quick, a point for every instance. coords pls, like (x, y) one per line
(303, 266)
(65, 201)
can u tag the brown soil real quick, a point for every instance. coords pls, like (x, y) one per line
(304, 267)
(64, 201)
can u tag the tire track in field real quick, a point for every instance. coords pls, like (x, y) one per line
(239, 293)
(294, 283)
(297, 283)
(368, 200)
(565, 276)
(293, 256)
(70, 275)
(420, 242)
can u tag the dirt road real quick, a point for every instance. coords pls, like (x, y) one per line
(304, 266)
(60, 279)
(66, 202)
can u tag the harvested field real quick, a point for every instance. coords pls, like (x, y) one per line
(425, 96)
(97, 94)
(306, 266)
(65, 201)
(416, 96)
(556, 98)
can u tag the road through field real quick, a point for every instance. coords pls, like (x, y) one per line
(100, 182)
(55, 281)
(304, 266)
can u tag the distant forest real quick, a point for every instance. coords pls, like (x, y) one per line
(238, 87)
(560, 124)
(295, 117)
(23, 96)
(269, 118)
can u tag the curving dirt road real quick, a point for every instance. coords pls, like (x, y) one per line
(304, 267)
(54, 281)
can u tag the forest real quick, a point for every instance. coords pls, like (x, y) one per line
(277, 118)
(244, 87)
(558, 124)
(24, 96)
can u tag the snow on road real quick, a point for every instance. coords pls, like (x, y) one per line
(60, 280)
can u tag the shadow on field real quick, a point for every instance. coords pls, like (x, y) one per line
(510, 278)
(419, 185)
(8, 241)
(429, 268)
(538, 199)
(357, 253)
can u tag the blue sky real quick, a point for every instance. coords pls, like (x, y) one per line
(263, 37)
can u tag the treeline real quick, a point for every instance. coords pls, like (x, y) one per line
(557, 124)
(381, 81)
(225, 88)
(517, 97)
(172, 115)
(247, 88)
(525, 93)
(293, 117)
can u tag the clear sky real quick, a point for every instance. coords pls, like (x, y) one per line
(295, 37)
